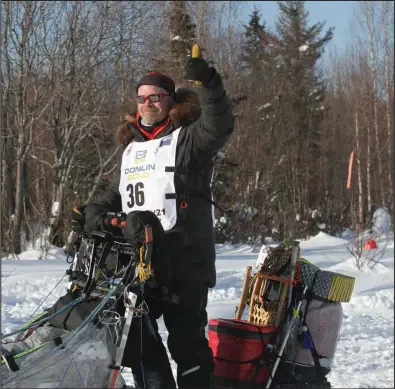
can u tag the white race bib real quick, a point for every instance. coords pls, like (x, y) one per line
(144, 181)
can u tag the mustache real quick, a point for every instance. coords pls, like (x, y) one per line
(150, 110)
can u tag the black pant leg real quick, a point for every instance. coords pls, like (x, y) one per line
(145, 352)
(187, 343)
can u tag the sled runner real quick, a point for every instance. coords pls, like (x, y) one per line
(289, 336)
(79, 342)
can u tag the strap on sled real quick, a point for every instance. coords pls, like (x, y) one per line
(10, 360)
(316, 357)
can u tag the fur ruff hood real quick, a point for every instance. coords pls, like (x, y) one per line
(186, 110)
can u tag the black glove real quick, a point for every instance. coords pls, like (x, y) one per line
(78, 219)
(134, 233)
(197, 69)
(96, 220)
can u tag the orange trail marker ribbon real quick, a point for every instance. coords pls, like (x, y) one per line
(350, 170)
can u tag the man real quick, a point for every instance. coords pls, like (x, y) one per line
(166, 168)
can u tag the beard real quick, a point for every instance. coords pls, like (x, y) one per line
(150, 116)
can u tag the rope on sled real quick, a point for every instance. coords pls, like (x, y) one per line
(38, 323)
(91, 316)
(139, 311)
(144, 270)
(42, 302)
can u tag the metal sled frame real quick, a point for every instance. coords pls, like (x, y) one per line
(131, 284)
(107, 243)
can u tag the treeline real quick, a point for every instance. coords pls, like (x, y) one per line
(68, 72)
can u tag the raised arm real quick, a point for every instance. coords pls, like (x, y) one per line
(215, 125)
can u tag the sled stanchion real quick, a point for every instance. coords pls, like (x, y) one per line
(295, 315)
(294, 259)
(121, 348)
(244, 295)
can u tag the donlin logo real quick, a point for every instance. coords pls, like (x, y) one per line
(140, 156)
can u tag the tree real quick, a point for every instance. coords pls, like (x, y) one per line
(302, 108)
(177, 44)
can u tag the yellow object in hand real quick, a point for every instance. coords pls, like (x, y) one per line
(195, 51)
(196, 54)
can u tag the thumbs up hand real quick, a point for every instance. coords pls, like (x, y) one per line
(197, 69)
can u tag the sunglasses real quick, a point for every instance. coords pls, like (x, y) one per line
(154, 98)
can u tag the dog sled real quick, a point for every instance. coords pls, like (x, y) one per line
(79, 342)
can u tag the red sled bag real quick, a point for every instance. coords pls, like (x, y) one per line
(238, 348)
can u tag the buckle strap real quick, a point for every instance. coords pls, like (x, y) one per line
(179, 170)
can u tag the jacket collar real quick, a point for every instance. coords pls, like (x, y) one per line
(185, 111)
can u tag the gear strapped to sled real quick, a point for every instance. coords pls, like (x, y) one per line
(290, 333)
(80, 341)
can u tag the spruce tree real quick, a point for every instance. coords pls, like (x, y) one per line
(258, 49)
(182, 37)
(177, 45)
(252, 56)
(300, 47)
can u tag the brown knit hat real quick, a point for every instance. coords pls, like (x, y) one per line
(158, 79)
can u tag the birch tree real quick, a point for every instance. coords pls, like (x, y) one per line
(386, 10)
(369, 13)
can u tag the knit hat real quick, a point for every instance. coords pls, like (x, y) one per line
(158, 79)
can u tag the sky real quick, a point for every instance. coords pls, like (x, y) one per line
(336, 14)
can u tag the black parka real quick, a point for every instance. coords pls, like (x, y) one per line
(191, 241)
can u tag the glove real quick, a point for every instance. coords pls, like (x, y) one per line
(78, 218)
(96, 216)
(197, 69)
(134, 233)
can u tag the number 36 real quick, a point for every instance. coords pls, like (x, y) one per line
(136, 194)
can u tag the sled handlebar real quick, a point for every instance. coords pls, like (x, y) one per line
(116, 219)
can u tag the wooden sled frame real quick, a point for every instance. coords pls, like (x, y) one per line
(254, 288)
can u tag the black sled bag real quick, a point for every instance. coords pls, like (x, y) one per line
(71, 318)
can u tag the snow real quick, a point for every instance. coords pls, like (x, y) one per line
(365, 352)
(303, 48)
(315, 214)
(381, 221)
(55, 208)
(265, 106)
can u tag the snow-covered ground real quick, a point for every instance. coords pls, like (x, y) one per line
(365, 352)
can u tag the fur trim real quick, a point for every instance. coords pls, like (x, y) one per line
(186, 110)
